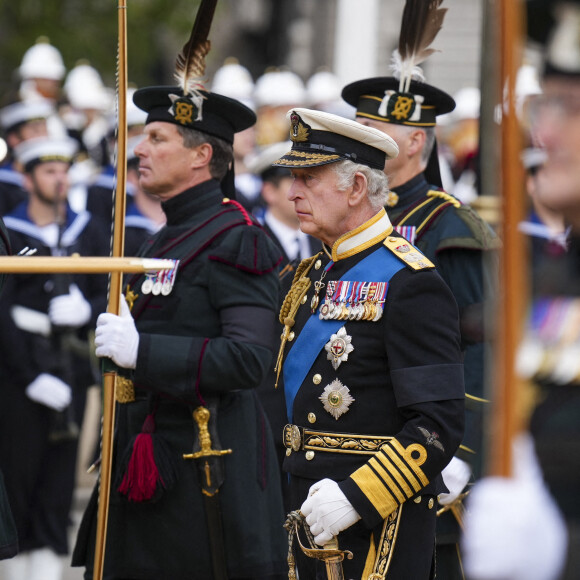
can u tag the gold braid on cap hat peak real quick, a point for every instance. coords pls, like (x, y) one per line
(300, 286)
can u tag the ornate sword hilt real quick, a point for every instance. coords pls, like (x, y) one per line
(201, 416)
(208, 459)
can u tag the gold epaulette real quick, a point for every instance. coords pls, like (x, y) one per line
(407, 253)
(445, 196)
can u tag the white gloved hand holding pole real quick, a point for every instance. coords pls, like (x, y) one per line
(117, 338)
(70, 310)
(513, 527)
(456, 475)
(328, 511)
(50, 391)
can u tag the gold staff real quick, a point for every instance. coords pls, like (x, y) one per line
(109, 370)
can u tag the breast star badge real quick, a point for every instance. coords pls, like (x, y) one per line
(336, 398)
(338, 348)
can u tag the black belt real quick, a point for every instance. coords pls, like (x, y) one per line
(301, 439)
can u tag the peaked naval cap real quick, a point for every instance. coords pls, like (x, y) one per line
(379, 98)
(213, 114)
(319, 138)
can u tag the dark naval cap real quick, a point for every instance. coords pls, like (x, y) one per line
(206, 112)
(380, 99)
(320, 138)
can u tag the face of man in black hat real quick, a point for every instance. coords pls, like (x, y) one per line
(556, 119)
(327, 208)
(166, 166)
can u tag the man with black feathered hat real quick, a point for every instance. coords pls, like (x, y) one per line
(195, 339)
(450, 233)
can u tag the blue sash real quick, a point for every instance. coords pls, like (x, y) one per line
(380, 266)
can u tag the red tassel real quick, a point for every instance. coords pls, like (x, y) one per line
(141, 477)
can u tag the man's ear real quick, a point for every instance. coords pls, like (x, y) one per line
(416, 142)
(359, 189)
(201, 155)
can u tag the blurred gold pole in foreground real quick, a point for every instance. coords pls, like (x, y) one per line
(507, 419)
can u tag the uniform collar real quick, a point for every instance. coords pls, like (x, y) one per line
(366, 235)
(191, 202)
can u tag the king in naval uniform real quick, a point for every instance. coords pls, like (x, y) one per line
(370, 360)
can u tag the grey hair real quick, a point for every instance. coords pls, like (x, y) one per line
(223, 152)
(377, 181)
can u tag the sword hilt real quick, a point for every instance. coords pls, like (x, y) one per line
(201, 416)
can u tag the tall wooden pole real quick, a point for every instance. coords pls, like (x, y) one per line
(109, 372)
(507, 418)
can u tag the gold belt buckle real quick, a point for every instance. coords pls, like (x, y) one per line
(292, 437)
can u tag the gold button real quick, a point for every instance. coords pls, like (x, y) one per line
(304, 299)
(317, 264)
(291, 336)
(316, 379)
(311, 418)
(417, 499)
(288, 452)
(309, 455)
(431, 503)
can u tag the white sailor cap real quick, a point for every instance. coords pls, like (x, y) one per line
(22, 112)
(44, 149)
(319, 138)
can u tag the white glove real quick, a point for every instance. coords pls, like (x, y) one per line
(455, 476)
(117, 338)
(70, 309)
(513, 528)
(50, 391)
(327, 511)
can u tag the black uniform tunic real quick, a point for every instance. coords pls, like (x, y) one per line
(40, 474)
(209, 339)
(406, 379)
(462, 247)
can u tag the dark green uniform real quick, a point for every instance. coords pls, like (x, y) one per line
(208, 340)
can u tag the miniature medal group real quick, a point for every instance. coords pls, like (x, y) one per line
(160, 282)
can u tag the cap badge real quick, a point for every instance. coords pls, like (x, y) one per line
(401, 106)
(336, 398)
(298, 130)
(186, 110)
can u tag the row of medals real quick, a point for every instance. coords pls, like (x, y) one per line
(367, 310)
(160, 282)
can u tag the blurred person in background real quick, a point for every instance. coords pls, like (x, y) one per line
(44, 359)
(528, 525)
(19, 122)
